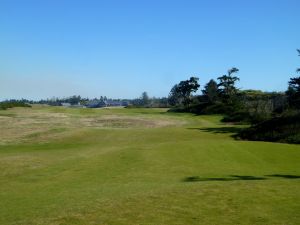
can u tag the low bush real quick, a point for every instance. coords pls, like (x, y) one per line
(284, 128)
(246, 117)
(239, 116)
(11, 104)
(218, 108)
(178, 109)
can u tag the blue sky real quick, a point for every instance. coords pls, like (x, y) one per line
(122, 48)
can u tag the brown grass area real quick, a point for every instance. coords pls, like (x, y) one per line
(21, 125)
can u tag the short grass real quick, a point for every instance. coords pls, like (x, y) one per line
(143, 166)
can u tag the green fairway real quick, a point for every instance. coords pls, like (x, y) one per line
(140, 167)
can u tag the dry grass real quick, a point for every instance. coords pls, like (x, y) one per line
(22, 124)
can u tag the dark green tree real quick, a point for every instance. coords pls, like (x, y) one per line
(74, 100)
(294, 84)
(174, 96)
(181, 93)
(211, 91)
(227, 89)
(145, 99)
(293, 91)
(298, 69)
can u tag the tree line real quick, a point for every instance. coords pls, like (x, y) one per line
(273, 116)
(14, 103)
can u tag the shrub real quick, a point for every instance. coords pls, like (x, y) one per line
(218, 108)
(240, 116)
(11, 104)
(285, 128)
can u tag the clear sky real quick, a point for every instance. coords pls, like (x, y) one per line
(122, 48)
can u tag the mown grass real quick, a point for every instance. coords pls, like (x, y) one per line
(191, 173)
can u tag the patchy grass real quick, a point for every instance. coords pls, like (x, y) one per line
(44, 123)
(57, 168)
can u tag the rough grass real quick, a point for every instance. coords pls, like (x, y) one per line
(189, 171)
(47, 123)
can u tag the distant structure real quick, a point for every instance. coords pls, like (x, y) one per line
(78, 106)
(106, 103)
(95, 104)
(65, 104)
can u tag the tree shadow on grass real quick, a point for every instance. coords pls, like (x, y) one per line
(219, 130)
(284, 176)
(238, 177)
(230, 178)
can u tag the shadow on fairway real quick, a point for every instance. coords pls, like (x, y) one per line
(219, 130)
(284, 176)
(230, 178)
(237, 177)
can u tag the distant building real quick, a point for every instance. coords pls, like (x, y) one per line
(77, 106)
(113, 103)
(65, 104)
(95, 104)
(125, 103)
(105, 103)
